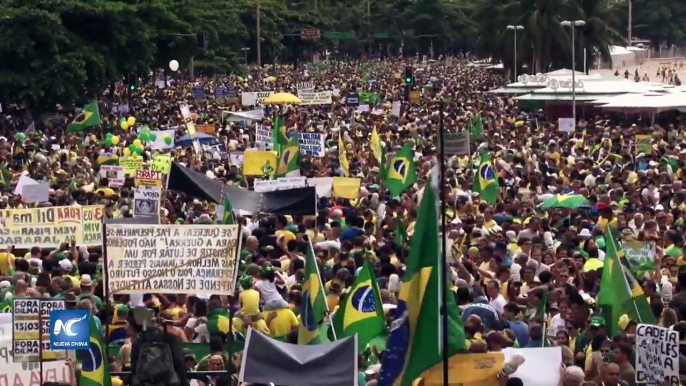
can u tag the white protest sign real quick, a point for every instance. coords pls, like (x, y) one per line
(323, 185)
(236, 158)
(305, 86)
(313, 144)
(315, 97)
(24, 180)
(115, 174)
(565, 125)
(160, 142)
(38, 192)
(262, 186)
(395, 109)
(541, 365)
(25, 373)
(255, 98)
(657, 355)
(172, 258)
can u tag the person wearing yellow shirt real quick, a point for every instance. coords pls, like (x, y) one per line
(607, 217)
(6, 261)
(282, 232)
(281, 321)
(249, 298)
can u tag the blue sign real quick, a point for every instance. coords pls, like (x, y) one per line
(231, 93)
(352, 99)
(69, 330)
(219, 91)
(198, 92)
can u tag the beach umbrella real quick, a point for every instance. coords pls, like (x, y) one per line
(282, 98)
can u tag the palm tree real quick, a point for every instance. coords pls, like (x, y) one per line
(543, 38)
(597, 35)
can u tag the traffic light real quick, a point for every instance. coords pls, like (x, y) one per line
(132, 81)
(408, 75)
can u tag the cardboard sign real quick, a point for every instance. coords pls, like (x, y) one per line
(148, 178)
(657, 355)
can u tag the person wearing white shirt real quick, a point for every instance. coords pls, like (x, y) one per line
(497, 301)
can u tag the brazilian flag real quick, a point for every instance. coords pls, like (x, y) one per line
(89, 116)
(6, 306)
(95, 370)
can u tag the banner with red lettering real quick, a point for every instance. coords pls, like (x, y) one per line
(50, 227)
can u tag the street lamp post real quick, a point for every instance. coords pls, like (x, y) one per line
(573, 25)
(245, 54)
(258, 33)
(515, 28)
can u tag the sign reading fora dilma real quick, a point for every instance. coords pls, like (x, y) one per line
(31, 329)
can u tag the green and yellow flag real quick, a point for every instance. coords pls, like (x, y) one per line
(415, 343)
(313, 308)
(89, 116)
(401, 172)
(279, 137)
(288, 161)
(95, 370)
(218, 320)
(361, 312)
(342, 157)
(620, 293)
(486, 181)
(229, 217)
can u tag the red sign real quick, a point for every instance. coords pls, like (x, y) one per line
(309, 34)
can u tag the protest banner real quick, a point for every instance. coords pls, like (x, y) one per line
(255, 98)
(565, 125)
(305, 86)
(114, 174)
(131, 163)
(644, 144)
(147, 178)
(146, 200)
(14, 372)
(50, 227)
(280, 184)
(315, 97)
(657, 355)
(172, 258)
(31, 329)
(161, 163)
(456, 143)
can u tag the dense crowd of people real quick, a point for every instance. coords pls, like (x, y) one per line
(522, 276)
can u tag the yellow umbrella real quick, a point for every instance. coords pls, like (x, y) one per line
(593, 264)
(282, 98)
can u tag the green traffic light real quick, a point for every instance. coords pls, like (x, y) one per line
(133, 87)
(408, 80)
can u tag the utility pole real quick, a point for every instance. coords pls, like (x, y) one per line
(257, 32)
(630, 11)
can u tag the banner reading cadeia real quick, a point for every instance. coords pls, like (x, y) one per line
(50, 227)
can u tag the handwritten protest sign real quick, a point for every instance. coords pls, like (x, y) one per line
(657, 355)
(255, 98)
(50, 227)
(31, 329)
(315, 97)
(284, 183)
(172, 258)
(640, 255)
(161, 163)
(131, 163)
(17, 372)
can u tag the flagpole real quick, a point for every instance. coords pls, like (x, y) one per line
(444, 259)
